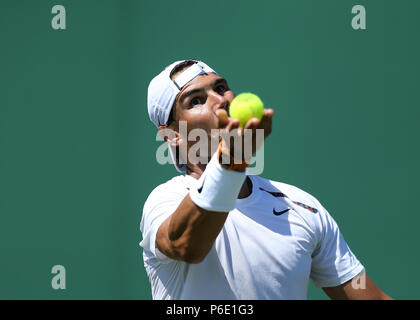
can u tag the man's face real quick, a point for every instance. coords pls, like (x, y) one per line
(200, 98)
(197, 103)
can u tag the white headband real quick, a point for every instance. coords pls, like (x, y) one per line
(162, 90)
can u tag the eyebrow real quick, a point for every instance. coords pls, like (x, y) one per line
(192, 92)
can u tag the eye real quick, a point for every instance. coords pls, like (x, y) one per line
(195, 101)
(221, 89)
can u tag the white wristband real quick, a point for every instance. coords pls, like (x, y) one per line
(217, 188)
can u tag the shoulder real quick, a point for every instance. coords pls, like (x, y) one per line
(311, 210)
(305, 205)
(176, 187)
(176, 183)
(164, 199)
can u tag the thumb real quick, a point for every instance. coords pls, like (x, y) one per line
(223, 118)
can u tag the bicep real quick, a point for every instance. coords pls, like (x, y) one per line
(360, 287)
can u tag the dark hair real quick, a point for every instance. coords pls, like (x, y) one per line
(178, 68)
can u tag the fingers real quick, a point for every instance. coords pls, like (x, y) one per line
(225, 122)
(267, 117)
(268, 113)
(264, 123)
(267, 121)
(231, 130)
(252, 123)
(233, 124)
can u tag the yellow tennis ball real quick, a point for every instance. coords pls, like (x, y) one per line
(246, 106)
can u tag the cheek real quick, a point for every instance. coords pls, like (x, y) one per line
(200, 117)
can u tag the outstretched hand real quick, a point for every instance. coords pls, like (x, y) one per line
(246, 136)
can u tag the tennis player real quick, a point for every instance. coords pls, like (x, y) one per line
(216, 232)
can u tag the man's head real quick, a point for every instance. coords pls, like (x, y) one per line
(188, 91)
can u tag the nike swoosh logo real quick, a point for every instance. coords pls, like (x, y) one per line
(278, 213)
(282, 195)
(201, 188)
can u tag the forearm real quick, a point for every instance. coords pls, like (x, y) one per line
(189, 233)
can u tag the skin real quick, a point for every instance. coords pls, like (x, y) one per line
(189, 233)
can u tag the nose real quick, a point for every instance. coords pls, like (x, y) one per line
(218, 101)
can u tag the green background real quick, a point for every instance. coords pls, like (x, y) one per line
(77, 149)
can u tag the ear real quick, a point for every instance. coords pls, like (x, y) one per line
(169, 135)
